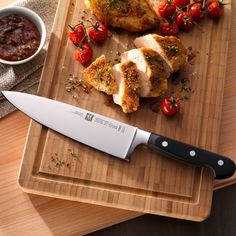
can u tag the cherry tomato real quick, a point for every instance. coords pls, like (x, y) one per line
(215, 9)
(196, 11)
(83, 53)
(170, 106)
(184, 21)
(166, 8)
(181, 3)
(169, 29)
(98, 33)
(79, 29)
(77, 34)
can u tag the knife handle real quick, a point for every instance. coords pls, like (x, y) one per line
(221, 166)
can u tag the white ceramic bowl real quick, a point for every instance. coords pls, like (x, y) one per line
(36, 19)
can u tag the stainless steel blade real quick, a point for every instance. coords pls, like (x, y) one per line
(102, 133)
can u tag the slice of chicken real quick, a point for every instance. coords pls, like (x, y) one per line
(100, 75)
(127, 78)
(152, 70)
(169, 47)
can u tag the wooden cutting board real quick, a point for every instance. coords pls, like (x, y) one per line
(56, 166)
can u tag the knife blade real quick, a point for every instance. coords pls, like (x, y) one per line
(111, 136)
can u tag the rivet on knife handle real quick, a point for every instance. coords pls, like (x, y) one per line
(221, 166)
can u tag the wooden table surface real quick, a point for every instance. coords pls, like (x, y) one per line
(24, 214)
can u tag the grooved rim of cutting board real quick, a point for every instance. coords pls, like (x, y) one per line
(33, 179)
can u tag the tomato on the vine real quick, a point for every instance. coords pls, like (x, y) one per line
(169, 29)
(181, 3)
(196, 11)
(83, 53)
(184, 21)
(170, 106)
(98, 32)
(77, 34)
(215, 9)
(166, 8)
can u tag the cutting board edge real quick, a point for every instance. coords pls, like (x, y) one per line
(194, 207)
(201, 218)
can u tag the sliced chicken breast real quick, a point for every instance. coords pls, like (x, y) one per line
(127, 78)
(169, 47)
(152, 69)
(100, 75)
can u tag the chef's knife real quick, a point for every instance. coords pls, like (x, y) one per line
(111, 136)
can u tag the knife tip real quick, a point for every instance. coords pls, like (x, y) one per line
(6, 93)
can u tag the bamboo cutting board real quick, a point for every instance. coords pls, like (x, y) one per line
(56, 166)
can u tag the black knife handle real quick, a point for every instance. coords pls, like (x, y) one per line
(221, 166)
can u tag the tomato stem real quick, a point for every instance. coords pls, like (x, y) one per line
(204, 4)
(81, 42)
(72, 27)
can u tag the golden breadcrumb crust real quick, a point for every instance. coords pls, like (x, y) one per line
(100, 75)
(174, 50)
(131, 15)
(156, 72)
(130, 76)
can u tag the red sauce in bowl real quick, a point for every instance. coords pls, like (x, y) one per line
(19, 38)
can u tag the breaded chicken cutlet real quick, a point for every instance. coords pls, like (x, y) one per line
(152, 70)
(131, 15)
(169, 47)
(100, 75)
(128, 81)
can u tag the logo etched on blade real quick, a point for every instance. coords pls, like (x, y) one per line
(101, 121)
(89, 117)
(110, 124)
